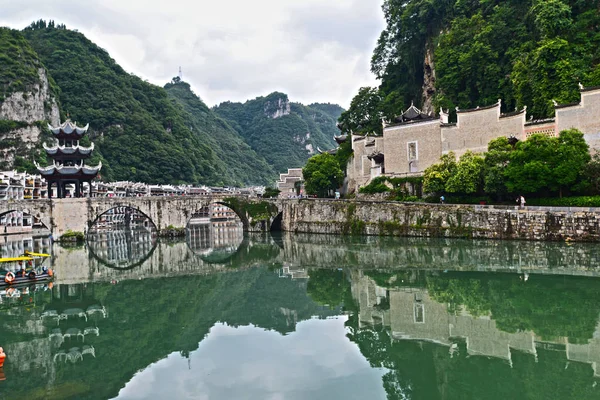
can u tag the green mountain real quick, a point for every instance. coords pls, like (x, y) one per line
(286, 134)
(139, 132)
(240, 163)
(470, 53)
(143, 132)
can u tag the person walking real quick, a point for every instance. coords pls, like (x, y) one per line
(442, 199)
(521, 201)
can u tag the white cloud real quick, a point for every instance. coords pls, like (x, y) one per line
(313, 50)
(317, 361)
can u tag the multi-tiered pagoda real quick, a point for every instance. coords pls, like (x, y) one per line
(68, 161)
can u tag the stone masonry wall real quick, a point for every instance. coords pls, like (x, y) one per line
(435, 220)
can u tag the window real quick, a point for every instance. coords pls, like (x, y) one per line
(413, 152)
(419, 311)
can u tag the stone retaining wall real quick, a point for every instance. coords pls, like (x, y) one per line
(436, 220)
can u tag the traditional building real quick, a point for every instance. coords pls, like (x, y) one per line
(415, 140)
(68, 161)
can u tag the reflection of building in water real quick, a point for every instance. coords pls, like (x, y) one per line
(121, 217)
(213, 212)
(16, 245)
(411, 314)
(61, 329)
(204, 238)
(293, 271)
(122, 247)
(19, 222)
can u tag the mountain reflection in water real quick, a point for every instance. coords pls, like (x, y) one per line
(299, 316)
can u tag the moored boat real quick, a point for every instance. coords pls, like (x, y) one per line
(21, 270)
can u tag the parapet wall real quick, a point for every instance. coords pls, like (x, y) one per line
(436, 220)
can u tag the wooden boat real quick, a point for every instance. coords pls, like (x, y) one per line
(21, 270)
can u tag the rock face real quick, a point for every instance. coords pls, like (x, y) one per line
(27, 112)
(428, 81)
(36, 105)
(278, 109)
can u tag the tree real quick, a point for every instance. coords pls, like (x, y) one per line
(436, 176)
(573, 154)
(468, 177)
(531, 165)
(364, 115)
(592, 173)
(496, 161)
(322, 174)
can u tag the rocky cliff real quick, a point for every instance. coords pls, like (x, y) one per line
(27, 101)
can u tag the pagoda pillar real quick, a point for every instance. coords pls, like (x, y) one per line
(78, 189)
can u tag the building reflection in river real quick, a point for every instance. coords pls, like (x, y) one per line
(215, 235)
(122, 237)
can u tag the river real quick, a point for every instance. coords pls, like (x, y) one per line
(223, 315)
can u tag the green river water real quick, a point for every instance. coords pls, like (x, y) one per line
(227, 316)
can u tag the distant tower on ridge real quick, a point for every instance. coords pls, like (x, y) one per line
(180, 73)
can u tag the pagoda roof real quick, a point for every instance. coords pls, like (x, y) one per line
(411, 115)
(340, 139)
(65, 150)
(68, 128)
(69, 170)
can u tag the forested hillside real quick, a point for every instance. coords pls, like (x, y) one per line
(240, 162)
(144, 132)
(450, 53)
(286, 134)
(139, 133)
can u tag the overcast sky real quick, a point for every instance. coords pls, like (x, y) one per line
(313, 50)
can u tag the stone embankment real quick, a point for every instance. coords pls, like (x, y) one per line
(348, 217)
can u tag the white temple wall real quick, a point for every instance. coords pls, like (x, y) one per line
(412, 148)
(585, 116)
(476, 128)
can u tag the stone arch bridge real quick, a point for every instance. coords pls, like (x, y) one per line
(78, 214)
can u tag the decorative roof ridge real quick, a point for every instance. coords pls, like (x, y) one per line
(416, 121)
(565, 105)
(498, 103)
(589, 88)
(540, 121)
(59, 147)
(514, 113)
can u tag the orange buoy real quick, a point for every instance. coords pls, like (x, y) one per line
(9, 278)
(2, 357)
(50, 272)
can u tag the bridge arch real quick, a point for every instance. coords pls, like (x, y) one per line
(124, 213)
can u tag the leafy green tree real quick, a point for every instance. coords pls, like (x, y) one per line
(549, 72)
(437, 175)
(468, 177)
(530, 169)
(364, 115)
(496, 161)
(573, 155)
(322, 174)
(552, 17)
(592, 173)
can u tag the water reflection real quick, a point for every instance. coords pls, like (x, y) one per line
(412, 319)
(122, 238)
(216, 240)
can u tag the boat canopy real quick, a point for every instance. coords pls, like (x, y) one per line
(13, 259)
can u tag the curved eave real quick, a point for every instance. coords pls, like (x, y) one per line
(68, 128)
(69, 151)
